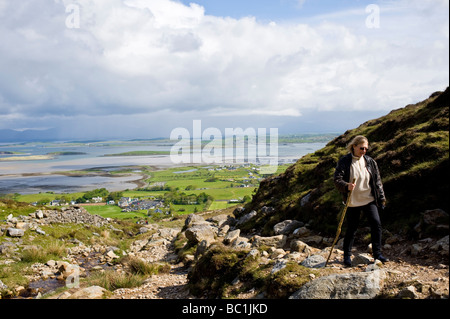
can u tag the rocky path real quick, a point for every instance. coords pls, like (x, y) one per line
(417, 270)
(414, 278)
(409, 274)
(158, 249)
(162, 286)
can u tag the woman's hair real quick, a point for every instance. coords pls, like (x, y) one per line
(356, 141)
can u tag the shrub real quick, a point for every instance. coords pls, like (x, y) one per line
(140, 267)
(112, 280)
(215, 270)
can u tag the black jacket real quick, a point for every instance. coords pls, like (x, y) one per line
(342, 178)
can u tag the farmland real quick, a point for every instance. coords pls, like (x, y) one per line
(225, 186)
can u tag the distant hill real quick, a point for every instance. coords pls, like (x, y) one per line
(13, 136)
(411, 147)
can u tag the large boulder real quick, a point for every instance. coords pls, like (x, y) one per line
(314, 261)
(192, 219)
(274, 241)
(361, 285)
(299, 246)
(286, 227)
(198, 233)
(15, 232)
(231, 236)
(93, 292)
(246, 218)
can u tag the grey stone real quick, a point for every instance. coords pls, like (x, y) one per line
(201, 248)
(279, 264)
(302, 232)
(246, 217)
(241, 242)
(408, 293)
(223, 230)
(305, 199)
(219, 219)
(2, 285)
(39, 214)
(40, 231)
(314, 240)
(93, 292)
(314, 261)
(362, 285)
(191, 219)
(362, 259)
(143, 230)
(15, 232)
(231, 236)
(198, 233)
(442, 245)
(286, 227)
(298, 245)
(274, 241)
(254, 253)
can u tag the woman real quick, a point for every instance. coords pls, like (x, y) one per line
(367, 194)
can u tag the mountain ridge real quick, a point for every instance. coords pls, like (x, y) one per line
(410, 145)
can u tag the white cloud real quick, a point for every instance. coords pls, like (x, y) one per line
(141, 57)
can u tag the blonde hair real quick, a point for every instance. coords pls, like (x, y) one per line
(356, 141)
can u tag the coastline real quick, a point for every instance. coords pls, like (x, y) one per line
(115, 173)
(27, 158)
(88, 180)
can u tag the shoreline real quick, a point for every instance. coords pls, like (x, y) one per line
(27, 158)
(138, 179)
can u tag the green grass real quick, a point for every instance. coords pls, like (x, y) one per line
(111, 211)
(33, 248)
(225, 187)
(220, 205)
(31, 198)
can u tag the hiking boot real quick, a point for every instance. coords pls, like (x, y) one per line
(347, 261)
(382, 258)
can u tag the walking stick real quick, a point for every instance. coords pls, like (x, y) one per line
(340, 223)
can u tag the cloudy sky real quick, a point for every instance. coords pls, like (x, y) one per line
(141, 68)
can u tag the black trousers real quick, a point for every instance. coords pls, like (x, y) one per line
(353, 215)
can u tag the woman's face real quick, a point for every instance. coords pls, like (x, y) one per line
(360, 149)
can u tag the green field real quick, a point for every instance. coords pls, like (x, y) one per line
(224, 184)
(111, 211)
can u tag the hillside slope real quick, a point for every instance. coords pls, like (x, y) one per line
(411, 147)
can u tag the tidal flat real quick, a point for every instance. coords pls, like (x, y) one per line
(64, 167)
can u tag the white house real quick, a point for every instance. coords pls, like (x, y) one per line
(97, 199)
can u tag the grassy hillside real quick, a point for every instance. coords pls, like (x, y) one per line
(411, 147)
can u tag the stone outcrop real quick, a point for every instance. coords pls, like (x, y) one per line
(17, 226)
(276, 241)
(361, 285)
(295, 242)
(93, 292)
(286, 227)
